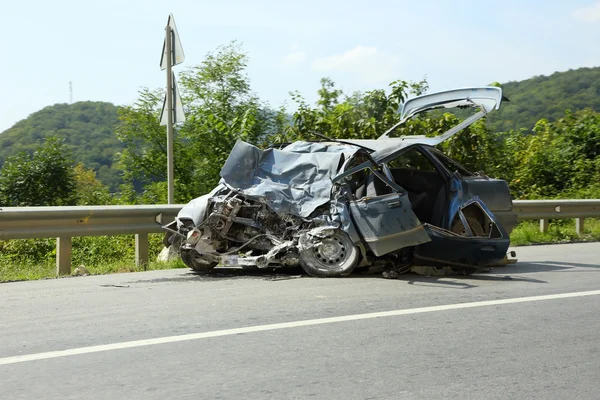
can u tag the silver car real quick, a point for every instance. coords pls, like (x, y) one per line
(336, 205)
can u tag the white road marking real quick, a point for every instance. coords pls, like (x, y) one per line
(284, 325)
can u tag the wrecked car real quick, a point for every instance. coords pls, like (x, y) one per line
(333, 206)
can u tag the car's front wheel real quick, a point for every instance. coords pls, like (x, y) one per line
(192, 259)
(334, 255)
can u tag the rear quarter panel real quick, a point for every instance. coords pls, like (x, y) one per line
(496, 196)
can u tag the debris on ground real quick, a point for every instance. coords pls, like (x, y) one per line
(81, 271)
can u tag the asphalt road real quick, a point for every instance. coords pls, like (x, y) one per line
(529, 330)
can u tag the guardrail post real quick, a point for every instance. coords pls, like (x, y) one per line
(543, 225)
(63, 256)
(141, 249)
(579, 225)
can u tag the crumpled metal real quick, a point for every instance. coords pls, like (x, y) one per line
(295, 180)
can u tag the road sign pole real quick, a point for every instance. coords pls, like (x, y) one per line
(169, 55)
(172, 112)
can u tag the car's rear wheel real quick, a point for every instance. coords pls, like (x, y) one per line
(475, 225)
(192, 259)
(335, 255)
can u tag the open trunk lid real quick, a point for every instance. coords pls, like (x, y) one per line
(486, 99)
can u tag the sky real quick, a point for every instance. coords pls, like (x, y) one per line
(110, 49)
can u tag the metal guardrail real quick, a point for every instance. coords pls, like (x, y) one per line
(40, 222)
(65, 223)
(544, 210)
(556, 209)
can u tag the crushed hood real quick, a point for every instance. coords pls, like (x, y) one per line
(295, 180)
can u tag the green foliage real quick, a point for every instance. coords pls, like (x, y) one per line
(358, 116)
(560, 159)
(559, 231)
(27, 250)
(87, 129)
(478, 148)
(89, 190)
(144, 155)
(35, 258)
(45, 178)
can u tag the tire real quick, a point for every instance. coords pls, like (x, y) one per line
(334, 256)
(476, 227)
(192, 259)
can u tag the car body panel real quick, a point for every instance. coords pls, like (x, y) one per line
(455, 200)
(449, 248)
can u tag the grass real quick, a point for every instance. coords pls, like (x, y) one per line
(559, 231)
(30, 259)
(25, 271)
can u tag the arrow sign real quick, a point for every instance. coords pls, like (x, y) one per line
(178, 115)
(177, 55)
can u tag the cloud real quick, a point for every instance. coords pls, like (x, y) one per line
(588, 14)
(371, 65)
(294, 59)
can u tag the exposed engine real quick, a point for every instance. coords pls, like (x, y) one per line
(244, 231)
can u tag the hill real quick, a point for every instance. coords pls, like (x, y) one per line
(87, 127)
(547, 97)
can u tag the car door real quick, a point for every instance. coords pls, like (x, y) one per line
(382, 213)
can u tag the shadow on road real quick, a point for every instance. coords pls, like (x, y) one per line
(218, 274)
(437, 281)
(542, 266)
(509, 273)
(461, 281)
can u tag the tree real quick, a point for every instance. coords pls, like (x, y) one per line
(477, 147)
(144, 158)
(88, 189)
(560, 158)
(44, 178)
(358, 116)
(220, 109)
